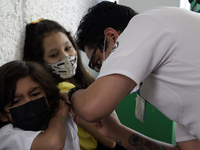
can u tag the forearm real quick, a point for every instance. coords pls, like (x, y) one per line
(101, 97)
(98, 98)
(56, 128)
(132, 140)
(84, 103)
(96, 134)
(78, 102)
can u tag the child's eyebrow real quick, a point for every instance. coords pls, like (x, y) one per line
(66, 42)
(17, 95)
(34, 89)
(53, 49)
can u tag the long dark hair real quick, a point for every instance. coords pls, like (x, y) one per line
(33, 48)
(11, 72)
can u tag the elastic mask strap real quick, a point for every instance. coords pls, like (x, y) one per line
(104, 48)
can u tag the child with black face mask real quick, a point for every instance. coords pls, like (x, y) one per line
(31, 114)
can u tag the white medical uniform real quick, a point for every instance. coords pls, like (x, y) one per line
(161, 48)
(17, 139)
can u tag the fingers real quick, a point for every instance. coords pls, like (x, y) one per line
(98, 124)
(76, 119)
(64, 97)
(66, 102)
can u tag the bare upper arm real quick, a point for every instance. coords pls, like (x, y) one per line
(189, 145)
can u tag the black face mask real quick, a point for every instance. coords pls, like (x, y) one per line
(31, 116)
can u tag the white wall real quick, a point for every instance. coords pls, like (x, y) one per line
(142, 5)
(15, 14)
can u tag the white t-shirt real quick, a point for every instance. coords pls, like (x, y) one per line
(17, 139)
(161, 48)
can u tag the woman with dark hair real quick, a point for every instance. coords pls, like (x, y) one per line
(48, 43)
(31, 114)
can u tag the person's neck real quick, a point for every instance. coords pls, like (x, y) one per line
(72, 80)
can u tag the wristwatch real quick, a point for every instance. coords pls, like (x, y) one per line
(71, 91)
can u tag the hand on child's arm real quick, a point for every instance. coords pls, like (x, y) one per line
(64, 96)
(63, 109)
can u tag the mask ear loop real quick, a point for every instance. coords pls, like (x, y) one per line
(104, 48)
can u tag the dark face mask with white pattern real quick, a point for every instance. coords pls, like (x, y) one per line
(31, 116)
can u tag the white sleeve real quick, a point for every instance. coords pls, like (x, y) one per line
(72, 140)
(182, 134)
(143, 46)
(15, 138)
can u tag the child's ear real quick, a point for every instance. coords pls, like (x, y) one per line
(3, 117)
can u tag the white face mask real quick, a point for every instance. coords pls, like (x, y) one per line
(66, 68)
(104, 49)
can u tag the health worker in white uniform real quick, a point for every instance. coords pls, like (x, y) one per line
(159, 48)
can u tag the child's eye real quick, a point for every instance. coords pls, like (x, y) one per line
(54, 55)
(16, 101)
(35, 94)
(67, 48)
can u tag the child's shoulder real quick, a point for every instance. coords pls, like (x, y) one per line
(16, 138)
(7, 127)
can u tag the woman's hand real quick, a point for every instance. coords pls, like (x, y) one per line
(64, 96)
(75, 117)
(63, 109)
